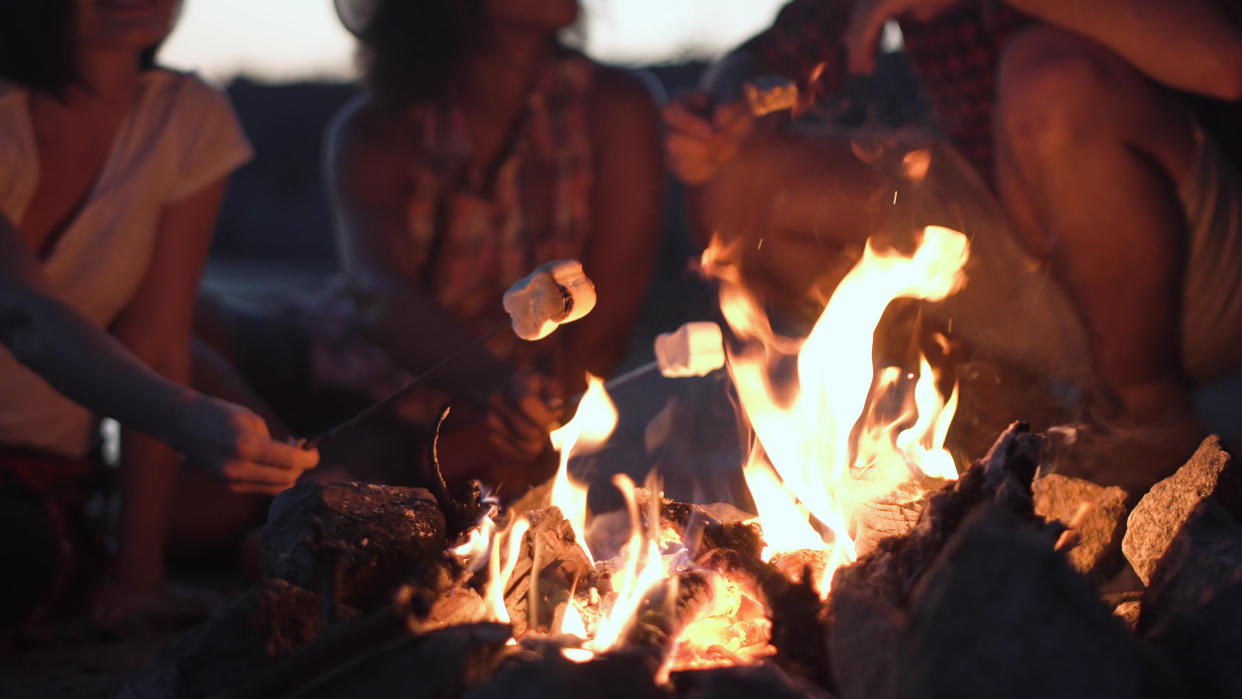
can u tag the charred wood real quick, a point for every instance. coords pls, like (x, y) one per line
(379, 535)
(550, 567)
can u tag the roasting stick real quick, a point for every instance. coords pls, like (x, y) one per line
(367, 411)
(694, 349)
(556, 293)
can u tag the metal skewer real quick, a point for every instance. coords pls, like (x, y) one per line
(365, 412)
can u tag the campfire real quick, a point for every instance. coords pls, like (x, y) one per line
(874, 565)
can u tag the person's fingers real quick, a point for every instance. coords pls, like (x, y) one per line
(251, 488)
(276, 454)
(727, 117)
(682, 120)
(240, 470)
(509, 449)
(503, 416)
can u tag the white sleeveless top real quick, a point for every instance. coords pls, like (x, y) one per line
(181, 136)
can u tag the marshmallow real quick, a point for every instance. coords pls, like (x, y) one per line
(695, 349)
(769, 94)
(556, 293)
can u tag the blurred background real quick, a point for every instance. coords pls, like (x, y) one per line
(288, 65)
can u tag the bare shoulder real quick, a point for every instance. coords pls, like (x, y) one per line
(364, 145)
(625, 98)
(360, 127)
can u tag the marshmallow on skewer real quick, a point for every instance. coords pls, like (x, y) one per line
(694, 349)
(769, 94)
(556, 293)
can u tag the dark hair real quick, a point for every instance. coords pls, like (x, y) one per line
(37, 45)
(409, 50)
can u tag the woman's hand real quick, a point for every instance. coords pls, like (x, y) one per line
(522, 413)
(234, 445)
(702, 138)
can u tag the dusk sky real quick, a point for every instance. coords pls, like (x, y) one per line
(279, 40)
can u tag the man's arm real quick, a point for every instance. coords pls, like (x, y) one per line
(1190, 45)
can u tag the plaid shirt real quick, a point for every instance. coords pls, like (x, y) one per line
(955, 55)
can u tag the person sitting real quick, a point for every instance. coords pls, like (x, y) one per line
(1097, 125)
(480, 149)
(113, 173)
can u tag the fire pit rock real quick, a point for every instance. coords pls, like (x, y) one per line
(1097, 516)
(365, 539)
(1001, 614)
(1210, 473)
(1205, 556)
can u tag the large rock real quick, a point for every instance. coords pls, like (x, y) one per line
(1095, 516)
(890, 571)
(1205, 556)
(862, 642)
(374, 536)
(1210, 473)
(1001, 614)
(1203, 645)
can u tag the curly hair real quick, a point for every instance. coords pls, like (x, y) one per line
(37, 49)
(409, 50)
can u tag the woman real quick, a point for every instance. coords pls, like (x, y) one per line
(113, 175)
(481, 148)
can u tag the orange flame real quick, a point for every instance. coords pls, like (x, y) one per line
(806, 438)
(590, 427)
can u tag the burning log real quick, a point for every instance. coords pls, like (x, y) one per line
(1001, 614)
(1210, 473)
(378, 534)
(549, 568)
(667, 610)
(799, 622)
(1095, 517)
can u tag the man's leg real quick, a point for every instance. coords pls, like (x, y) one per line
(1089, 151)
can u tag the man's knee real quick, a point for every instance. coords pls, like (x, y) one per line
(1052, 90)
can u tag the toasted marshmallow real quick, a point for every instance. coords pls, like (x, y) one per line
(694, 349)
(556, 293)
